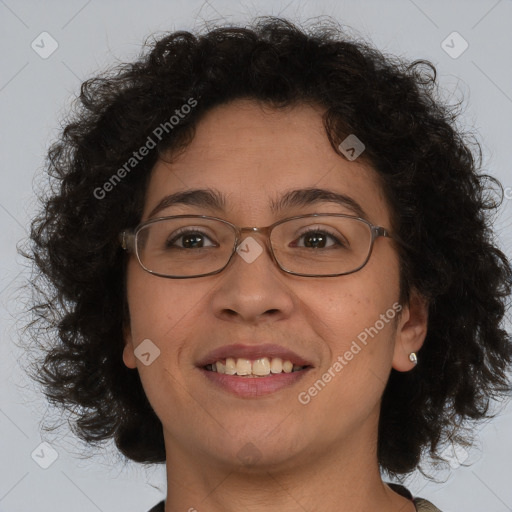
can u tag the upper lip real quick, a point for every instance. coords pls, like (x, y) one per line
(253, 352)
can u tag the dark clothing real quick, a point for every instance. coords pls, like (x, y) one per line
(159, 507)
(420, 504)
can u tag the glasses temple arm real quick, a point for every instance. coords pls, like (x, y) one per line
(126, 240)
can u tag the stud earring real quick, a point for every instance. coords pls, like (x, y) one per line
(413, 358)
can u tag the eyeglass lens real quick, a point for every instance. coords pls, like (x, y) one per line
(310, 245)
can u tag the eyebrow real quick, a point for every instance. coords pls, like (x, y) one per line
(215, 200)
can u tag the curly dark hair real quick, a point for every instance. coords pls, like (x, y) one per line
(441, 205)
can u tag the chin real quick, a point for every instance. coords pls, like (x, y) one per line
(258, 452)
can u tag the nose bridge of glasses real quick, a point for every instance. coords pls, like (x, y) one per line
(263, 232)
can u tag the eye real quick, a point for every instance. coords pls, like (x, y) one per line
(190, 238)
(316, 238)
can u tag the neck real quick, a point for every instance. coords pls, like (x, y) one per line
(341, 479)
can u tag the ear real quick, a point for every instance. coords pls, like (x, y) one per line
(128, 351)
(411, 331)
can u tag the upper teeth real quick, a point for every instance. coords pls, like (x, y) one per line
(261, 366)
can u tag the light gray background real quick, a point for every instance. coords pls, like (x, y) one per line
(35, 92)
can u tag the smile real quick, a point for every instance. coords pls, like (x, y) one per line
(261, 367)
(249, 384)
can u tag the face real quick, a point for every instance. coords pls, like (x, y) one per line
(252, 155)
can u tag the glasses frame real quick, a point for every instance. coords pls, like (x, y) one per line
(128, 241)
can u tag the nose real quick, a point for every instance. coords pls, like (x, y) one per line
(252, 288)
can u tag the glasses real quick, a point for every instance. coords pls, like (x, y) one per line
(313, 245)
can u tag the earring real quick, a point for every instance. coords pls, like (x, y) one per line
(413, 358)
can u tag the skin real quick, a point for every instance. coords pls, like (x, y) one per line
(319, 456)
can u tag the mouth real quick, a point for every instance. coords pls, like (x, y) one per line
(249, 371)
(258, 368)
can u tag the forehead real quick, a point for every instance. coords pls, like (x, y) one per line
(253, 154)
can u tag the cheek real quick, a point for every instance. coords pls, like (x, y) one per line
(348, 387)
(162, 311)
(360, 334)
(155, 303)
(161, 320)
(356, 316)
(358, 303)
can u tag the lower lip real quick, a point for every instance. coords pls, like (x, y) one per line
(248, 387)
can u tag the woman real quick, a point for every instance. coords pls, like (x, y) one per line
(272, 269)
